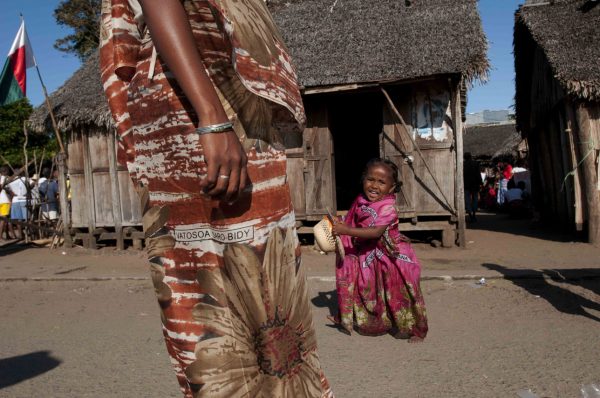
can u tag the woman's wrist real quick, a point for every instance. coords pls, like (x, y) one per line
(215, 128)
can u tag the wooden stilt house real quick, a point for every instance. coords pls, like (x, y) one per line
(557, 63)
(379, 78)
(104, 204)
(383, 78)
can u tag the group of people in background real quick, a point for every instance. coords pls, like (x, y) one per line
(25, 199)
(498, 186)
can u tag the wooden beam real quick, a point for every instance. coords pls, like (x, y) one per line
(114, 189)
(588, 147)
(89, 191)
(579, 216)
(65, 211)
(459, 188)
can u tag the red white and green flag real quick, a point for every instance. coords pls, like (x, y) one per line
(13, 81)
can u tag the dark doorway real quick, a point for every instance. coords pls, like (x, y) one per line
(355, 121)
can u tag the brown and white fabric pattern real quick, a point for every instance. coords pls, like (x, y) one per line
(231, 290)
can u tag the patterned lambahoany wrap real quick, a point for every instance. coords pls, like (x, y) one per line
(232, 293)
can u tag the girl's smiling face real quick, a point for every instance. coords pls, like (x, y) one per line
(378, 182)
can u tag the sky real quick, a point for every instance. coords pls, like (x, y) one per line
(498, 18)
(56, 67)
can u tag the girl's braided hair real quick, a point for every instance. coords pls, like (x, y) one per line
(390, 165)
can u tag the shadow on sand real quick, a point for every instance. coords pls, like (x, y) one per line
(561, 298)
(327, 300)
(502, 222)
(17, 369)
(8, 248)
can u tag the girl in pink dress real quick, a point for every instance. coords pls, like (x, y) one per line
(378, 280)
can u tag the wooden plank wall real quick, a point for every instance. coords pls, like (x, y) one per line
(294, 151)
(75, 166)
(97, 183)
(101, 179)
(553, 137)
(319, 177)
(295, 178)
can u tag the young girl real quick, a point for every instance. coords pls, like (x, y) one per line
(378, 279)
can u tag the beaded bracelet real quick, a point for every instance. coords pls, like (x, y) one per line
(214, 128)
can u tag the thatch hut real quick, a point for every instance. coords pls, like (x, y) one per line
(104, 203)
(421, 52)
(488, 141)
(557, 63)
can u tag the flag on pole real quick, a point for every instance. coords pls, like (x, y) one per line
(13, 80)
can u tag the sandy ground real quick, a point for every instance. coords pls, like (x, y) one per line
(86, 324)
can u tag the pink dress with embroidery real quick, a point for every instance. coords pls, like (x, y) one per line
(378, 280)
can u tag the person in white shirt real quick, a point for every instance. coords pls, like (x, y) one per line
(18, 208)
(5, 225)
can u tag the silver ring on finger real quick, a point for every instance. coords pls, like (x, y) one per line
(223, 176)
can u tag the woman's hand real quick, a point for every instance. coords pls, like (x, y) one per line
(224, 157)
(173, 37)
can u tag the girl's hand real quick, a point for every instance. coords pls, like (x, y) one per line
(339, 228)
(226, 165)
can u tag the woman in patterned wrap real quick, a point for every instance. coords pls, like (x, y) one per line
(223, 251)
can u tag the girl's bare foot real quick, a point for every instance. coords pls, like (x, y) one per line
(407, 336)
(335, 320)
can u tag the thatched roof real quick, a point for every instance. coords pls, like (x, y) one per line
(332, 42)
(354, 41)
(78, 102)
(491, 140)
(568, 32)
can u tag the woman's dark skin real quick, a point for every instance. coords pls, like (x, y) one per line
(174, 41)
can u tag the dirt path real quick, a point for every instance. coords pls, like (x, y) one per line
(102, 339)
(69, 336)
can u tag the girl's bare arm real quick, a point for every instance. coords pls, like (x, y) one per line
(339, 228)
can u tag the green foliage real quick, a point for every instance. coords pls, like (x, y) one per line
(83, 16)
(12, 138)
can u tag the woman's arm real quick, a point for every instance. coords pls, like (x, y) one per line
(174, 41)
(339, 228)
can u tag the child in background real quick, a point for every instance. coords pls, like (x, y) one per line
(490, 193)
(378, 280)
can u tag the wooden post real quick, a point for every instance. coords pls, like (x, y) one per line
(588, 148)
(459, 187)
(88, 176)
(114, 190)
(571, 134)
(65, 212)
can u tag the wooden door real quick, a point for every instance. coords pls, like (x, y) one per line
(319, 171)
(422, 147)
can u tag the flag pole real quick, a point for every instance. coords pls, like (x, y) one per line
(62, 165)
(52, 118)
